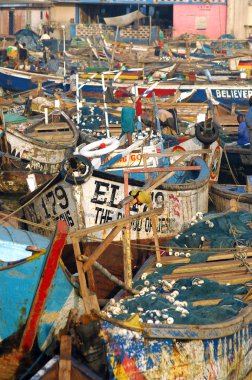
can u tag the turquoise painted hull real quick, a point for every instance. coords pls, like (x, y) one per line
(19, 284)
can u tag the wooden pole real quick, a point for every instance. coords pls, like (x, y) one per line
(65, 361)
(109, 275)
(90, 301)
(90, 273)
(114, 47)
(155, 235)
(82, 278)
(126, 239)
(101, 248)
(150, 18)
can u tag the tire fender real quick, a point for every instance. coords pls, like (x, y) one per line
(76, 169)
(206, 135)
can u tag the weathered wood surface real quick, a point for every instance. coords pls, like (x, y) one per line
(65, 362)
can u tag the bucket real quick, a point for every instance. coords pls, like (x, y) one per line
(12, 52)
(243, 74)
(31, 181)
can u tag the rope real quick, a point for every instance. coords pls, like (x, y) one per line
(241, 254)
(150, 248)
(229, 166)
(27, 203)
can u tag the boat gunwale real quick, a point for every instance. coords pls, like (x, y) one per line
(223, 192)
(35, 256)
(188, 332)
(47, 144)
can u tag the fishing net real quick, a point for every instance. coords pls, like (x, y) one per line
(191, 300)
(216, 230)
(93, 117)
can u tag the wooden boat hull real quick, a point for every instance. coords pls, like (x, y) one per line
(236, 162)
(95, 202)
(227, 93)
(226, 197)
(43, 145)
(15, 182)
(210, 341)
(17, 83)
(134, 355)
(125, 75)
(20, 81)
(20, 282)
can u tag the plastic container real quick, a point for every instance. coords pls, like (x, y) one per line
(12, 52)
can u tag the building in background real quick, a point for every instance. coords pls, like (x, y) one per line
(239, 18)
(176, 17)
(210, 18)
(19, 14)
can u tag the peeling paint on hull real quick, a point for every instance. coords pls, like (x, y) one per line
(95, 202)
(134, 356)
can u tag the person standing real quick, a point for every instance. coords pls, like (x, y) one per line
(248, 120)
(22, 56)
(128, 122)
(243, 132)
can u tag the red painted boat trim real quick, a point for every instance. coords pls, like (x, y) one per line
(39, 300)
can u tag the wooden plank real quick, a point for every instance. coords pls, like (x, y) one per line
(227, 256)
(90, 273)
(90, 301)
(101, 248)
(220, 272)
(210, 266)
(169, 169)
(82, 278)
(65, 358)
(43, 289)
(177, 153)
(127, 265)
(118, 222)
(222, 278)
(155, 235)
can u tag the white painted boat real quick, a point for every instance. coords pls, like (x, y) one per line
(94, 200)
(42, 144)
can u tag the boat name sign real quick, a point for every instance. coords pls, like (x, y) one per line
(233, 94)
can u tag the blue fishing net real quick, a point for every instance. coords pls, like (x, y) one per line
(224, 231)
(92, 118)
(197, 300)
(154, 307)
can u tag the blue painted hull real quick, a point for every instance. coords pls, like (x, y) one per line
(16, 83)
(19, 282)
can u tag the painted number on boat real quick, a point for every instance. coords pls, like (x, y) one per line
(54, 199)
(107, 195)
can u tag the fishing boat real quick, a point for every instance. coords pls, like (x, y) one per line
(232, 196)
(236, 159)
(91, 197)
(123, 74)
(41, 293)
(43, 143)
(236, 164)
(227, 92)
(189, 313)
(21, 81)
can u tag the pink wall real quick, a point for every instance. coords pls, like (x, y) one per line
(192, 18)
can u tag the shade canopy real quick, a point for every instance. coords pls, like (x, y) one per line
(125, 19)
